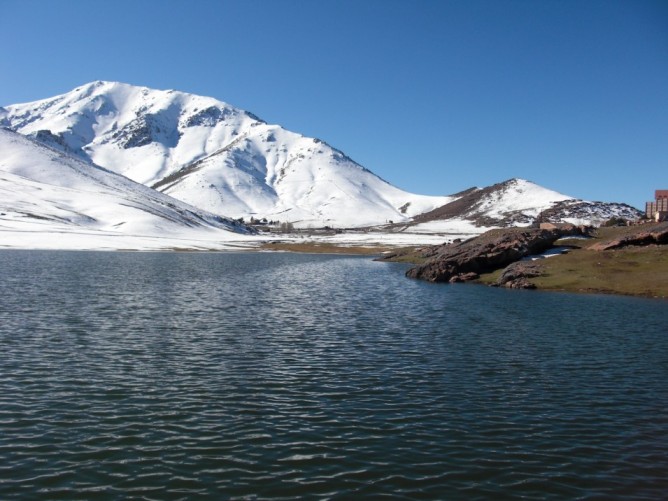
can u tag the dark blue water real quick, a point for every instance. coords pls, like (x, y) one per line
(283, 376)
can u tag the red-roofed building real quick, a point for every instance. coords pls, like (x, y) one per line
(658, 210)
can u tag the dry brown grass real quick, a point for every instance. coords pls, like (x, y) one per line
(324, 248)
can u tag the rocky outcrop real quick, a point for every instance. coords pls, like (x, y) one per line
(657, 235)
(490, 251)
(517, 275)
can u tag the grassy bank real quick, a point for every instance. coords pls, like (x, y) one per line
(637, 271)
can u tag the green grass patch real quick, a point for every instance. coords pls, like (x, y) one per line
(638, 271)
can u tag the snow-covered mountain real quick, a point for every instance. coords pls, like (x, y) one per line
(214, 156)
(43, 190)
(518, 202)
(228, 162)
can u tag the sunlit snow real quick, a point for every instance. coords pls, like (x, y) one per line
(177, 171)
(217, 157)
(49, 199)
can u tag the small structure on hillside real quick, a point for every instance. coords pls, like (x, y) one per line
(658, 210)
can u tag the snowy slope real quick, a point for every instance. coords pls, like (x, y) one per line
(516, 202)
(214, 156)
(43, 190)
(517, 199)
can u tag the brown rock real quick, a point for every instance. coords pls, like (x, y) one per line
(464, 277)
(520, 283)
(516, 275)
(658, 235)
(490, 251)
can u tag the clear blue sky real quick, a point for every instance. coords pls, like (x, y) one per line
(433, 96)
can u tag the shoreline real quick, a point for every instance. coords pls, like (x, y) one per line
(636, 271)
(615, 260)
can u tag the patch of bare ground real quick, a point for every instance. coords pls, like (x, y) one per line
(323, 248)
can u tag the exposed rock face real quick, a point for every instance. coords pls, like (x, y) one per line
(53, 140)
(657, 235)
(490, 251)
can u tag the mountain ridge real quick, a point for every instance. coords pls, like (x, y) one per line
(518, 202)
(227, 161)
(246, 167)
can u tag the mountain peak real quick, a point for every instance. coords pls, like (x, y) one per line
(227, 161)
(215, 156)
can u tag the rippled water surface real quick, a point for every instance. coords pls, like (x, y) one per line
(283, 376)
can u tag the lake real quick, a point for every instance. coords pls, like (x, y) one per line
(284, 376)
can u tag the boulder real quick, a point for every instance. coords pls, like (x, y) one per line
(516, 275)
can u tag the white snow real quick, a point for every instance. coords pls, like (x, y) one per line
(67, 238)
(554, 251)
(456, 226)
(50, 199)
(520, 195)
(210, 161)
(377, 238)
(233, 163)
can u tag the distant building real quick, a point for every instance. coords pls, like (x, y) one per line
(658, 210)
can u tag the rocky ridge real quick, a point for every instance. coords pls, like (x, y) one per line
(517, 202)
(581, 211)
(227, 161)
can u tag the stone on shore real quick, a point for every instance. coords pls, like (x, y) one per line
(517, 275)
